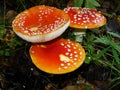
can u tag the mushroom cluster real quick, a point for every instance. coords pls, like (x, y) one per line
(42, 25)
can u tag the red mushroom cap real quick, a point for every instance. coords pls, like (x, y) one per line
(85, 17)
(40, 23)
(58, 56)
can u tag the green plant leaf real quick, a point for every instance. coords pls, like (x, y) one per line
(2, 30)
(116, 46)
(2, 33)
(1, 52)
(104, 40)
(78, 3)
(7, 52)
(88, 59)
(91, 4)
(116, 56)
(88, 87)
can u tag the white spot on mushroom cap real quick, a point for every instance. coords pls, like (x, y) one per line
(74, 63)
(64, 58)
(65, 67)
(33, 51)
(62, 64)
(80, 53)
(67, 53)
(68, 64)
(59, 69)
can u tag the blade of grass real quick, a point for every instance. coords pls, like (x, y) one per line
(22, 3)
(108, 64)
(102, 52)
(116, 56)
(114, 82)
(114, 34)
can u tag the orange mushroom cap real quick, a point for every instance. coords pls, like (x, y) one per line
(58, 56)
(40, 23)
(85, 17)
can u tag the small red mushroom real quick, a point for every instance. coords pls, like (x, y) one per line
(84, 18)
(40, 23)
(58, 56)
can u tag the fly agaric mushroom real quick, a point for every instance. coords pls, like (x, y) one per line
(84, 18)
(40, 23)
(58, 56)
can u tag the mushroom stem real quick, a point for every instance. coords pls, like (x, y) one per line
(79, 34)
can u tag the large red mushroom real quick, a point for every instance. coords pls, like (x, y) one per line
(84, 18)
(40, 23)
(58, 56)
